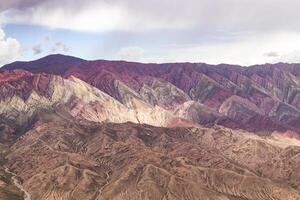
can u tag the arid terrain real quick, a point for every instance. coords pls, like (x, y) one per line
(115, 130)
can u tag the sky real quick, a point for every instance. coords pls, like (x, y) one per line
(243, 32)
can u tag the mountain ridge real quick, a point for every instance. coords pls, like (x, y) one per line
(266, 92)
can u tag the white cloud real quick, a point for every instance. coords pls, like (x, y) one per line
(247, 50)
(2, 34)
(145, 15)
(10, 49)
(131, 53)
(290, 57)
(215, 31)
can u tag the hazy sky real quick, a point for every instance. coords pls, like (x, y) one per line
(241, 32)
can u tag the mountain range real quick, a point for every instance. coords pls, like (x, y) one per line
(77, 129)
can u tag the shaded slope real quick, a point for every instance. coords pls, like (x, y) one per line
(55, 64)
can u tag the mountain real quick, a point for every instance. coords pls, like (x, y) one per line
(54, 64)
(77, 129)
(260, 99)
(60, 158)
(23, 95)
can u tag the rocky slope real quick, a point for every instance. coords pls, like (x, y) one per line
(257, 98)
(24, 94)
(62, 158)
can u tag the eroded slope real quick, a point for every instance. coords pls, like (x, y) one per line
(61, 158)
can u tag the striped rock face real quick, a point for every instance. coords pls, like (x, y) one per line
(26, 94)
(260, 99)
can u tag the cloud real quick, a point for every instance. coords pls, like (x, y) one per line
(243, 51)
(2, 34)
(272, 54)
(18, 4)
(144, 15)
(46, 38)
(10, 49)
(131, 53)
(290, 57)
(227, 31)
(37, 49)
(46, 45)
(59, 47)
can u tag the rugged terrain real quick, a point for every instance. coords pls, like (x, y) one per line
(256, 98)
(77, 129)
(60, 158)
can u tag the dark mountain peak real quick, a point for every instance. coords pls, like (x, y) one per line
(60, 57)
(55, 64)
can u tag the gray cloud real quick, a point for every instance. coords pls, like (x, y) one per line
(19, 4)
(290, 57)
(37, 49)
(142, 15)
(131, 53)
(47, 38)
(46, 45)
(272, 54)
(59, 47)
